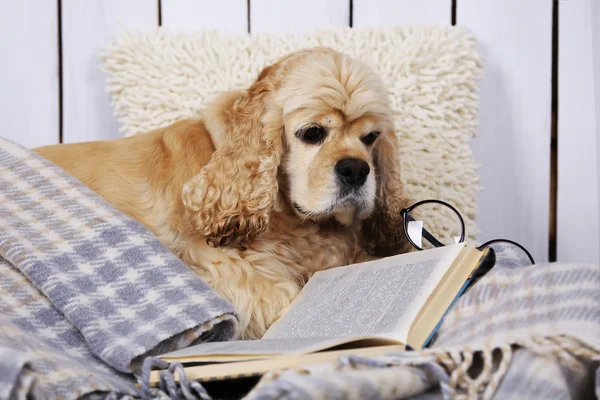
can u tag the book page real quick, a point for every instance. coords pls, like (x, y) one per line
(254, 347)
(257, 367)
(377, 298)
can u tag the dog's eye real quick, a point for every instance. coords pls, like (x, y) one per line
(370, 138)
(312, 135)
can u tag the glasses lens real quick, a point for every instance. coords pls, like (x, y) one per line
(433, 225)
(507, 250)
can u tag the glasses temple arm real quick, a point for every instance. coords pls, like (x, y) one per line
(430, 238)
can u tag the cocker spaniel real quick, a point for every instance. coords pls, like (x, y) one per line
(297, 174)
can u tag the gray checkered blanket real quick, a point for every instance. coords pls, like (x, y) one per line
(86, 293)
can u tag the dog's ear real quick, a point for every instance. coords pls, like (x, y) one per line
(383, 232)
(231, 199)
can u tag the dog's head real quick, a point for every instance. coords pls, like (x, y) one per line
(320, 121)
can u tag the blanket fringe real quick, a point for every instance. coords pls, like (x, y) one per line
(168, 386)
(454, 369)
(459, 363)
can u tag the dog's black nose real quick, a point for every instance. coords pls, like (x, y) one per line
(352, 171)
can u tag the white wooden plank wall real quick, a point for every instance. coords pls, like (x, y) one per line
(596, 45)
(87, 27)
(29, 102)
(578, 215)
(276, 16)
(190, 15)
(375, 13)
(514, 137)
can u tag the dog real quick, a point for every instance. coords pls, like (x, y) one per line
(298, 173)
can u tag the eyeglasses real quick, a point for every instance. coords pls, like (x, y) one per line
(447, 222)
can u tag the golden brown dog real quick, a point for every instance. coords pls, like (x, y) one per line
(297, 174)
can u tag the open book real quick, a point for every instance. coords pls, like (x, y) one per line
(372, 308)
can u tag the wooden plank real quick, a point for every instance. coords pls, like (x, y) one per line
(87, 27)
(378, 13)
(596, 49)
(286, 16)
(29, 69)
(190, 15)
(514, 135)
(578, 219)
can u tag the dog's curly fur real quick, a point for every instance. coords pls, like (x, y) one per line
(243, 200)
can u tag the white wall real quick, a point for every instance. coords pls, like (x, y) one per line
(514, 136)
(578, 215)
(596, 49)
(29, 83)
(87, 27)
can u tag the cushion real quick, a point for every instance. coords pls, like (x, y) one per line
(431, 72)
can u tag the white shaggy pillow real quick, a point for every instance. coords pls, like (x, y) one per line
(431, 72)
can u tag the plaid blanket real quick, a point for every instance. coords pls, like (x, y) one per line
(521, 332)
(86, 293)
